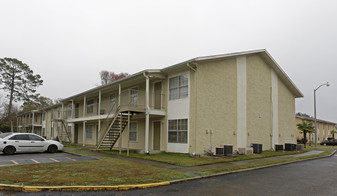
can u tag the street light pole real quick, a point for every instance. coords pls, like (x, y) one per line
(326, 84)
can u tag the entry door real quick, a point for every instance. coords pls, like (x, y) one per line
(76, 134)
(133, 97)
(157, 95)
(156, 135)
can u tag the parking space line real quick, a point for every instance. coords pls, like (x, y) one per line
(16, 163)
(54, 160)
(35, 161)
(71, 159)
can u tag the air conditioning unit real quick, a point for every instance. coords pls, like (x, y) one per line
(299, 147)
(219, 151)
(257, 148)
(278, 147)
(228, 150)
(289, 147)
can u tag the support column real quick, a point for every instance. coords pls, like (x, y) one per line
(99, 132)
(119, 94)
(84, 133)
(120, 133)
(147, 117)
(72, 109)
(99, 102)
(84, 105)
(127, 151)
(33, 120)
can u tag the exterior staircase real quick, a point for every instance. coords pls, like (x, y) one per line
(116, 126)
(63, 134)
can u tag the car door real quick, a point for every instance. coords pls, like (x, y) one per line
(37, 143)
(21, 142)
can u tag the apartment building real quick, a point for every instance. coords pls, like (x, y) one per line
(324, 128)
(191, 107)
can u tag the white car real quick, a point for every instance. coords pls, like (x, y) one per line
(11, 143)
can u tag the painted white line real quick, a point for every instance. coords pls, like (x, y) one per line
(54, 160)
(16, 163)
(35, 161)
(71, 159)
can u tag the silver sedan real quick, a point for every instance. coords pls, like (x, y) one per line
(11, 143)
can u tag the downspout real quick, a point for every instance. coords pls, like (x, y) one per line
(147, 115)
(195, 106)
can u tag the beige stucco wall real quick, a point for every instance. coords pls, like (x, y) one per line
(259, 106)
(286, 108)
(213, 105)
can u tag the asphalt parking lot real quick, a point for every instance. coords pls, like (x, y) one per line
(36, 158)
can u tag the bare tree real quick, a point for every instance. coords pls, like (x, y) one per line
(108, 77)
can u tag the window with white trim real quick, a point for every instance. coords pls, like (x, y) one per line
(133, 131)
(89, 131)
(69, 130)
(178, 131)
(90, 106)
(178, 87)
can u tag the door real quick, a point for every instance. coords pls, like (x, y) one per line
(37, 143)
(157, 95)
(77, 110)
(156, 135)
(21, 142)
(76, 134)
(133, 97)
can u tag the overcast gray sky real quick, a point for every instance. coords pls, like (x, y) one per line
(68, 42)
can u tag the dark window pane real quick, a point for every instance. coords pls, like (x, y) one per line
(172, 137)
(182, 137)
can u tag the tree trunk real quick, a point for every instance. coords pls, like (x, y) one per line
(10, 99)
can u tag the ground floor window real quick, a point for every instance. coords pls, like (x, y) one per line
(133, 131)
(89, 131)
(177, 131)
(43, 131)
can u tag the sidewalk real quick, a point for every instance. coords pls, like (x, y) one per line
(192, 170)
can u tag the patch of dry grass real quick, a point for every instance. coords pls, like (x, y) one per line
(106, 171)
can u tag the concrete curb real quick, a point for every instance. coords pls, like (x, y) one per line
(22, 188)
(7, 187)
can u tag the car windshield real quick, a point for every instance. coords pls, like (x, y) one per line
(3, 135)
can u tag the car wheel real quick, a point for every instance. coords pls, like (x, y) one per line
(52, 149)
(9, 150)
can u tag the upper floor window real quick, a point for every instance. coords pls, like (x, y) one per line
(43, 116)
(90, 106)
(70, 110)
(178, 87)
(59, 112)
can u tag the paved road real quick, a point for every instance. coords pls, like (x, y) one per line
(35, 158)
(315, 177)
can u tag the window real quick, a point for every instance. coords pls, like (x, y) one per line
(70, 110)
(177, 131)
(35, 138)
(20, 137)
(90, 106)
(43, 116)
(58, 112)
(112, 101)
(89, 131)
(133, 131)
(178, 87)
(43, 131)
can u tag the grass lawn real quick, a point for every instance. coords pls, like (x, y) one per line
(106, 171)
(252, 165)
(188, 161)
